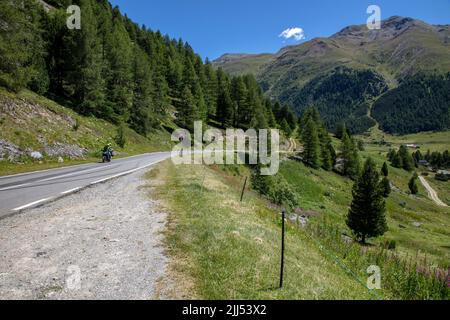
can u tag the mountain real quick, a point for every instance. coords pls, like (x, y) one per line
(344, 75)
(240, 64)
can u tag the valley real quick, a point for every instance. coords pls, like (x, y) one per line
(363, 177)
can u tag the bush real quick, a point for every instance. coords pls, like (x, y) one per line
(275, 188)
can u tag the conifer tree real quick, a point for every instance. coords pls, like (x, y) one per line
(385, 186)
(407, 160)
(311, 145)
(366, 217)
(225, 108)
(16, 35)
(349, 153)
(188, 110)
(119, 68)
(385, 170)
(327, 152)
(413, 184)
(142, 112)
(85, 71)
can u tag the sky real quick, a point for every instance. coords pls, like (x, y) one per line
(215, 27)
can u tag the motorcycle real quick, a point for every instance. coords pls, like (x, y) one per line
(107, 156)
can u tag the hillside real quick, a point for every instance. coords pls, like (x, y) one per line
(118, 71)
(36, 133)
(404, 47)
(239, 64)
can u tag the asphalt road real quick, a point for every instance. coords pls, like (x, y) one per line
(24, 191)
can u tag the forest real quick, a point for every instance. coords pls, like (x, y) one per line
(340, 96)
(117, 70)
(420, 103)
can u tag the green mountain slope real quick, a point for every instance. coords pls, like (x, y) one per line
(402, 48)
(240, 64)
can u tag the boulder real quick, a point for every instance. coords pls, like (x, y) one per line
(36, 155)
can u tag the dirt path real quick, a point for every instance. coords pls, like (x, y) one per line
(433, 194)
(102, 243)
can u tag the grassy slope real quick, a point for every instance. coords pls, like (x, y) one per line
(245, 64)
(38, 119)
(230, 250)
(330, 194)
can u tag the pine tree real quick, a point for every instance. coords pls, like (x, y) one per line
(118, 72)
(16, 35)
(142, 113)
(85, 66)
(187, 110)
(239, 94)
(340, 130)
(407, 160)
(349, 153)
(385, 186)
(366, 217)
(286, 128)
(225, 108)
(397, 161)
(327, 152)
(211, 90)
(311, 145)
(385, 170)
(413, 184)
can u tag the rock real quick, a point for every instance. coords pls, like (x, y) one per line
(417, 224)
(60, 160)
(401, 226)
(303, 221)
(9, 151)
(346, 239)
(36, 155)
(259, 240)
(65, 150)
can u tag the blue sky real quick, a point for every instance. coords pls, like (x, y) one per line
(214, 27)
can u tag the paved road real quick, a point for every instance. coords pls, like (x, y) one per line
(24, 191)
(433, 194)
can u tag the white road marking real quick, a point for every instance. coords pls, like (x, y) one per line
(68, 175)
(14, 187)
(127, 172)
(71, 191)
(31, 204)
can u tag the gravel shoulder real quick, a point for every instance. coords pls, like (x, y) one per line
(105, 242)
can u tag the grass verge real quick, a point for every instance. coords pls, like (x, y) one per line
(231, 250)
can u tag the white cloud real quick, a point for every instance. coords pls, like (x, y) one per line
(296, 33)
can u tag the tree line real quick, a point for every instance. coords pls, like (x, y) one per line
(403, 159)
(116, 70)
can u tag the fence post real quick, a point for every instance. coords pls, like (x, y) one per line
(243, 189)
(282, 247)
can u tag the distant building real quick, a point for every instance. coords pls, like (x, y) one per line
(413, 146)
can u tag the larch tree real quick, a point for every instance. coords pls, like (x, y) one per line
(367, 214)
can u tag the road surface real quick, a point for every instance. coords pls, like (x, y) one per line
(433, 194)
(24, 191)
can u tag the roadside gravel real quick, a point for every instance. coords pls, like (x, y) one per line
(104, 242)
